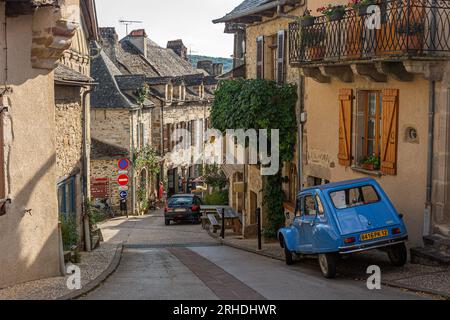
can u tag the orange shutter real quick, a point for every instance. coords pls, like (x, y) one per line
(389, 133)
(345, 126)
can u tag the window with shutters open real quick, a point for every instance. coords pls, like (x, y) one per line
(281, 57)
(375, 135)
(260, 57)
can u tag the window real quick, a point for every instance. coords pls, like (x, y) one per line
(260, 57)
(66, 197)
(2, 157)
(354, 197)
(273, 58)
(369, 137)
(373, 123)
(309, 206)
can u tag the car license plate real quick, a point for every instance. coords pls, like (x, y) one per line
(180, 210)
(374, 235)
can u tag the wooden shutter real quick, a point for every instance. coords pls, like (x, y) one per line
(260, 57)
(281, 54)
(345, 126)
(193, 132)
(2, 158)
(389, 132)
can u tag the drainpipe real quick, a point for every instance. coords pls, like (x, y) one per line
(429, 191)
(300, 133)
(85, 165)
(133, 186)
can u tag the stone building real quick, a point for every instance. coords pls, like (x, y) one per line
(33, 37)
(260, 51)
(72, 85)
(179, 95)
(375, 101)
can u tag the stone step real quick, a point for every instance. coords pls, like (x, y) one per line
(429, 256)
(443, 229)
(438, 242)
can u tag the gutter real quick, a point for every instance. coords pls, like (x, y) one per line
(429, 191)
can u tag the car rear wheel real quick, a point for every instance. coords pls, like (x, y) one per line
(328, 262)
(167, 222)
(398, 255)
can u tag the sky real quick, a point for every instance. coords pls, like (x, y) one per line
(190, 20)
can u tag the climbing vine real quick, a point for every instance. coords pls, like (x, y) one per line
(261, 104)
(148, 159)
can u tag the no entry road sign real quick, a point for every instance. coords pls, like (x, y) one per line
(123, 180)
(123, 164)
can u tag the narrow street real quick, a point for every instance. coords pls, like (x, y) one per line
(183, 262)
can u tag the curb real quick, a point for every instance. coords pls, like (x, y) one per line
(99, 280)
(393, 284)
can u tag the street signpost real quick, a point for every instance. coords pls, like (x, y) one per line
(123, 194)
(123, 164)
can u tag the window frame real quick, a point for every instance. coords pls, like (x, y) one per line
(350, 188)
(377, 140)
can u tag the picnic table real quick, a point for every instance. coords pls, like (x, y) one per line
(213, 215)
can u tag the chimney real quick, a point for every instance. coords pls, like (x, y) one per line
(217, 69)
(139, 39)
(179, 48)
(206, 65)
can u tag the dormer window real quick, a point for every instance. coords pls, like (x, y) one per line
(182, 93)
(201, 91)
(169, 92)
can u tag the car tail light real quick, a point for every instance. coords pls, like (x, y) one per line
(350, 240)
(396, 231)
(195, 208)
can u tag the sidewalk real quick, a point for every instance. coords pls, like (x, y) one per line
(94, 266)
(433, 280)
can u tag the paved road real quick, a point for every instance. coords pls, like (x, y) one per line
(183, 262)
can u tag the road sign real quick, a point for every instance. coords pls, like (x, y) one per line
(123, 194)
(123, 180)
(123, 164)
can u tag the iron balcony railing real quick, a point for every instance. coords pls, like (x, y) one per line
(391, 29)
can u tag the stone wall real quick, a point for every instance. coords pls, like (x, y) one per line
(111, 126)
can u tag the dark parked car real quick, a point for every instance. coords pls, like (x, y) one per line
(183, 207)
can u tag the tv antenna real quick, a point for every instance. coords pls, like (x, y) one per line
(128, 23)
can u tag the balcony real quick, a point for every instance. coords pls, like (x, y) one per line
(373, 44)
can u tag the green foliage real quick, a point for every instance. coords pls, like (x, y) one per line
(214, 177)
(68, 230)
(141, 94)
(261, 104)
(95, 216)
(257, 104)
(374, 160)
(273, 199)
(217, 198)
(148, 159)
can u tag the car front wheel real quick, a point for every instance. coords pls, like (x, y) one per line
(288, 256)
(328, 262)
(398, 255)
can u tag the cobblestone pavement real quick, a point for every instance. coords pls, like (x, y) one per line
(183, 262)
(91, 266)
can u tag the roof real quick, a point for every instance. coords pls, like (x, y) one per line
(131, 60)
(130, 82)
(247, 6)
(340, 184)
(101, 150)
(158, 80)
(64, 73)
(107, 93)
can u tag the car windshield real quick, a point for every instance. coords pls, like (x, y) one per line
(180, 201)
(354, 197)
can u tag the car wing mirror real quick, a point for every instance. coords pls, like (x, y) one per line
(401, 216)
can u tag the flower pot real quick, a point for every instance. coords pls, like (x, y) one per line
(307, 22)
(336, 15)
(316, 53)
(368, 166)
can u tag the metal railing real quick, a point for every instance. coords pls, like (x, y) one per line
(390, 29)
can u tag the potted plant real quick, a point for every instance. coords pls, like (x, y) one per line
(371, 163)
(307, 19)
(410, 36)
(313, 41)
(361, 6)
(333, 12)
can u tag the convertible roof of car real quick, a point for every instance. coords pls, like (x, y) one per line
(340, 184)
